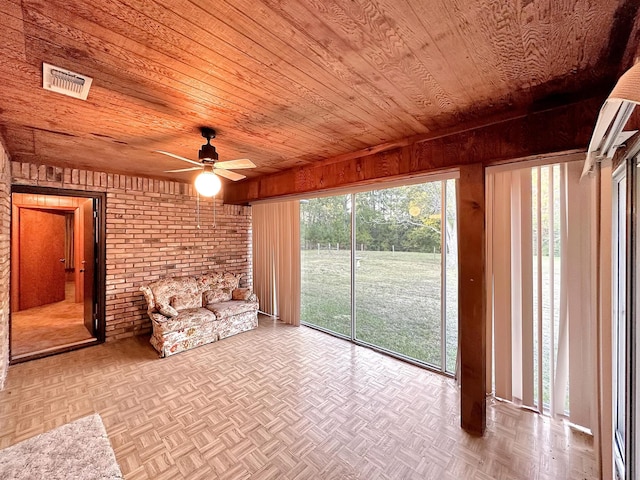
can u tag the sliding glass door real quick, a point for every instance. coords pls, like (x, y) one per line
(395, 249)
(626, 341)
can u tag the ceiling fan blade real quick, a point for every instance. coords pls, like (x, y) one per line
(239, 163)
(183, 170)
(179, 157)
(229, 174)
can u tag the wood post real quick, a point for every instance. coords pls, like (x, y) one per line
(471, 298)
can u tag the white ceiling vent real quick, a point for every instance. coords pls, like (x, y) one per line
(64, 81)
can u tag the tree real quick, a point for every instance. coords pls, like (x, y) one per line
(403, 218)
(425, 238)
(325, 221)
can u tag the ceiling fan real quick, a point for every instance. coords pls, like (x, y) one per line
(208, 183)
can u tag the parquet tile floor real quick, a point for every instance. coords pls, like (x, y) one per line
(282, 402)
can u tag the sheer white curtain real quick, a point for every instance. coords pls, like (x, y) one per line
(276, 259)
(543, 308)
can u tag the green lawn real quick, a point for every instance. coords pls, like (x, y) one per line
(397, 300)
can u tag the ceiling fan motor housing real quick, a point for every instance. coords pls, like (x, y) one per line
(208, 153)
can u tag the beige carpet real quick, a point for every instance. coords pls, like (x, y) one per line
(79, 449)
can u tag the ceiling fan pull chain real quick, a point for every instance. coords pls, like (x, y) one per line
(214, 211)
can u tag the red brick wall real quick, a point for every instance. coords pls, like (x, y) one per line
(5, 243)
(152, 232)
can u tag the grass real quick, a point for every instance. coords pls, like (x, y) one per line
(397, 300)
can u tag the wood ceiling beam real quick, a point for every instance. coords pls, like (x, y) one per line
(567, 127)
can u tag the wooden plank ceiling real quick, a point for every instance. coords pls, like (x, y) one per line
(289, 83)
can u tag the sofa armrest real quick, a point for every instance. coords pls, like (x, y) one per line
(148, 296)
(158, 317)
(253, 298)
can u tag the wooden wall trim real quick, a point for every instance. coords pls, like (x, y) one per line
(15, 255)
(559, 129)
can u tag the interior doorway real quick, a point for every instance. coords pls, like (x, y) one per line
(57, 271)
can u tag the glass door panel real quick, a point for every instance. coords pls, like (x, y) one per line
(398, 270)
(450, 248)
(619, 323)
(325, 258)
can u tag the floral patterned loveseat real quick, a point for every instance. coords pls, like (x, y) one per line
(187, 312)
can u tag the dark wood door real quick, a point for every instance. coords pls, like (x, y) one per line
(41, 246)
(88, 263)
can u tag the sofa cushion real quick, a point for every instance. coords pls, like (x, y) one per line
(166, 310)
(191, 317)
(241, 294)
(216, 295)
(233, 307)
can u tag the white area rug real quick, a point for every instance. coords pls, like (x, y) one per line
(79, 449)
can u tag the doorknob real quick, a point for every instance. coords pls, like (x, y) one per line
(82, 270)
(62, 260)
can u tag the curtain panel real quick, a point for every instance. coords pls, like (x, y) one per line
(542, 264)
(276, 259)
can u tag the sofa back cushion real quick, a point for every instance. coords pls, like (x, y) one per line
(183, 301)
(167, 288)
(210, 280)
(216, 295)
(218, 280)
(230, 281)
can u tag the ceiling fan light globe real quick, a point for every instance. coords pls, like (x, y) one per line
(207, 184)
